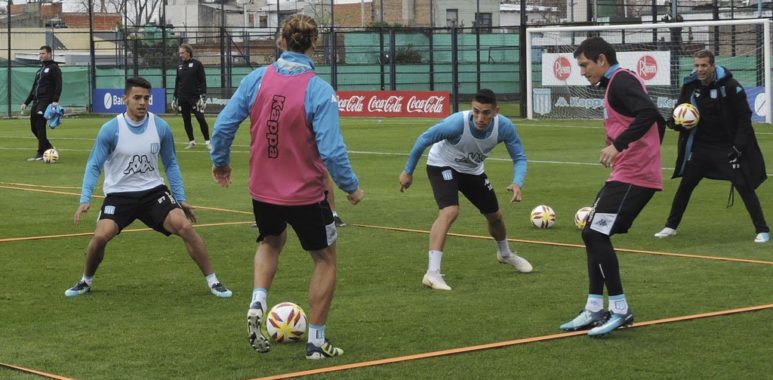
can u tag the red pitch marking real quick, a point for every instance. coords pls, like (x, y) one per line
(34, 372)
(567, 245)
(516, 342)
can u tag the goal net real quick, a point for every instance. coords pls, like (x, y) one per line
(660, 53)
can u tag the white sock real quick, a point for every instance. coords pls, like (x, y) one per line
(316, 334)
(260, 295)
(87, 279)
(595, 303)
(503, 248)
(618, 304)
(212, 279)
(434, 261)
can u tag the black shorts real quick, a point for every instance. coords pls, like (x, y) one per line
(312, 223)
(447, 183)
(617, 205)
(150, 206)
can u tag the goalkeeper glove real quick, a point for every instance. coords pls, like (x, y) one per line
(174, 104)
(734, 157)
(201, 105)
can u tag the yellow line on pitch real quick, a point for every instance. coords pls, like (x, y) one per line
(41, 186)
(3, 186)
(516, 342)
(34, 372)
(44, 237)
(568, 245)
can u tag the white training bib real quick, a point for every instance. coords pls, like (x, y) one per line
(133, 165)
(467, 155)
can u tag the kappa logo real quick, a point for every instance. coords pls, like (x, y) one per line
(272, 137)
(139, 164)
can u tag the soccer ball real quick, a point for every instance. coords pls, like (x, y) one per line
(50, 156)
(286, 322)
(686, 115)
(543, 216)
(581, 217)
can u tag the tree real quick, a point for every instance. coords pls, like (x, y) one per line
(137, 12)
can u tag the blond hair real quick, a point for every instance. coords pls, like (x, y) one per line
(299, 32)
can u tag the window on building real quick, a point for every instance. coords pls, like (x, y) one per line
(484, 21)
(263, 21)
(452, 17)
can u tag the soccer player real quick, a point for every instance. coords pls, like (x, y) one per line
(296, 141)
(190, 94)
(460, 145)
(722, 145)
(634, 130)
(46, 89)
(128, 148)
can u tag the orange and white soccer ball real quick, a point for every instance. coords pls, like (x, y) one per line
(686, 115)
(286, 322)
(581, 217)
(50, 156)
(543, 216)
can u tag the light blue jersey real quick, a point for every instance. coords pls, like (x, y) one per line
(105, 145)
(321, 107)
(451, 130)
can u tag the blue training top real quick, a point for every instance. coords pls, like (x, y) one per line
(451, 129)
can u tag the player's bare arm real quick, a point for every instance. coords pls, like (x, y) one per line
(607, 155)
(82, 209)
(188, 210)
(356, 196)
(405, 181)
(516, 190)
(222, 175)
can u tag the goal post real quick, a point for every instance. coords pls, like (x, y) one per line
(660, 53)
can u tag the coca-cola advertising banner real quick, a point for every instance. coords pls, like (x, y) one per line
(432, 104)
(652, 66)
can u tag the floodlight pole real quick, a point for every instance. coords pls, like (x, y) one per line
(8, 78)
(92, 57)
(333, 48)
(222, 43)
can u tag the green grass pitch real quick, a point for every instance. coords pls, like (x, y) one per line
(150, 315)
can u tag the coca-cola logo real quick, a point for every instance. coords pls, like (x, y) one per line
(647, 67)
(353, 103)
(432, 104)
(562, 68)
(392, 104)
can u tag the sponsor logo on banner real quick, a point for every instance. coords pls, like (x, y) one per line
(654, 67)
(432, 104)
(543, 103)
(112, 101)
(562, 68)
(647, 67)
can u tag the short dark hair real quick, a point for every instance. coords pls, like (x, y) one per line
(136, 82)
(593, 47)
(704, 54)
(485, 96)
(46, 48)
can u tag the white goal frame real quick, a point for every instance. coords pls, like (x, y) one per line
(666, 26)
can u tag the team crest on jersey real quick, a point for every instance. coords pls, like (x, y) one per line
(139, 164)
(155, 148)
